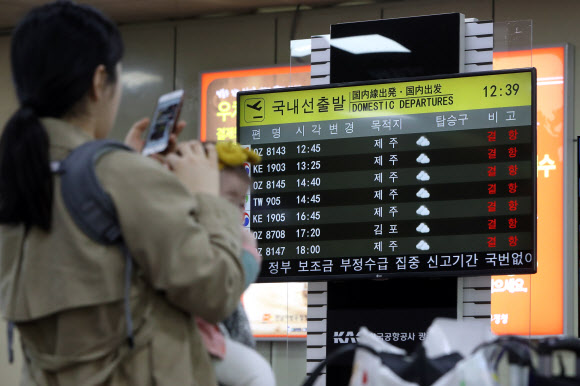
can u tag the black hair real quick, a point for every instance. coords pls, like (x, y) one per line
(55, 51)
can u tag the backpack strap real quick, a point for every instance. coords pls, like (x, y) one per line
(92, 208)
(10, 334)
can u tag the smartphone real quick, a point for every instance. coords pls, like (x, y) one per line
(163, 123)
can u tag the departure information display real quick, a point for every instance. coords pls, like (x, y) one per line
(424, 176)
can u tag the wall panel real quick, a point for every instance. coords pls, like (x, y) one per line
(147, 71)
(552, 23)
(219, 44)
(481, 9)
(7, 96)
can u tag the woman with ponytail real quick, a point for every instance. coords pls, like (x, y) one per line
(63, 291)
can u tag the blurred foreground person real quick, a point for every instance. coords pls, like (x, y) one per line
(81, 321)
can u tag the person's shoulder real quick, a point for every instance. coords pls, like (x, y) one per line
(121, 167)
(120, 161)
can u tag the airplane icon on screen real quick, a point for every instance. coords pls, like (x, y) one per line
(253, 110)
(255, 106)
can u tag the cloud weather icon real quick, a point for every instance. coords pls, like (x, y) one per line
(423, 176)
(423, 141)
(423, 228)
(423, 193)
(423, 159)
(422, 246)
(423, 211)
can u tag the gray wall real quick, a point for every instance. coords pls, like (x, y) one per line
(167, 54)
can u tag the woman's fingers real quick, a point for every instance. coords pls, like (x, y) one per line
(134, 137)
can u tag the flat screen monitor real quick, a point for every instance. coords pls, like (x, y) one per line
(429, 176)
(397, 48)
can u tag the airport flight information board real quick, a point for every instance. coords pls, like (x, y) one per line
(425, 176)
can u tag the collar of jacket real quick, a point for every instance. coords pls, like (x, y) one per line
(64, 135)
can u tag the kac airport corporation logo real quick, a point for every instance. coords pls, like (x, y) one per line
(343, 337)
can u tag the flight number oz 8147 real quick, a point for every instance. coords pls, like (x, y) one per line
(272, 251)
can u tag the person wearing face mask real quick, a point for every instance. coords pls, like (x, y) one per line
(64, 292)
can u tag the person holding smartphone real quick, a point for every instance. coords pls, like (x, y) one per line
(63, 291)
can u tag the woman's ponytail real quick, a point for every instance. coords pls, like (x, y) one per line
(26, 184)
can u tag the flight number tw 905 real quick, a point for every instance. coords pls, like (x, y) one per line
(270, 201)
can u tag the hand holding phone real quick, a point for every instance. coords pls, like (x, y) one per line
(163, 123)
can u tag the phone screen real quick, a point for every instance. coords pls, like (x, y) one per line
(163, 122)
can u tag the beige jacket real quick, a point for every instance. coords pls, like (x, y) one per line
(65, 292)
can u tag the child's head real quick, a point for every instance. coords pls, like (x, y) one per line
(234, 184)
(234, 180)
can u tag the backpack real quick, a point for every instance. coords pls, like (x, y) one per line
(92, 210)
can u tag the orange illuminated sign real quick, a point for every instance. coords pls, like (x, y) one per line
(533, 304)
(219, 90)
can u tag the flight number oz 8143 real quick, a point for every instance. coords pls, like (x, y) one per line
(270, 150)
